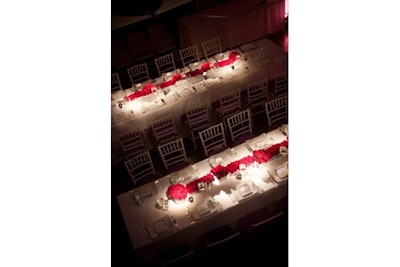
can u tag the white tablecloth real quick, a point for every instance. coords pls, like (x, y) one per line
(264, 59)
(230, 196)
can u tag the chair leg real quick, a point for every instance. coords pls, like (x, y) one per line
(194, 139)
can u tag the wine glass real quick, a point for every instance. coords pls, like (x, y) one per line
(137, 197)
(201, 186)
(154, 90)
(283, 151)
(242, 166)
(212, 161)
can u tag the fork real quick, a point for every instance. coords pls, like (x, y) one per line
(174, 221)
(190, 216)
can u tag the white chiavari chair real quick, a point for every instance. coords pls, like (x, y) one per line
(165, 63)
(281, 84)
(213, 139)
(228, 103)
(189, 55)
(115, 83)
(138, 73)
(211, 47)
(276, 110)
(256, 96)
(132, 143)
(195, 120)
(173, 155)
(163, 130)
(141, 168)
(240, 127)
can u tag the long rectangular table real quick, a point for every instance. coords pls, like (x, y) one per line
(259, 60)
(152, 228)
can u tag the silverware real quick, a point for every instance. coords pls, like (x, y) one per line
(190, 216)
(174, 221)
(147, 234)
(282, 131)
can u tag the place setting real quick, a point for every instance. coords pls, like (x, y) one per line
(160, 227)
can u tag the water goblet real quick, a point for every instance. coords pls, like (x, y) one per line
(165, 204)
(283, 151)
(201, 186)
(242, 166)
(137, 197)
(212, 161)
(160, 203)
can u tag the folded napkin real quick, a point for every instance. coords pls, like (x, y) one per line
(205, 208)
(202, 209)
(282, 171)
(160, 227)
(245, 190)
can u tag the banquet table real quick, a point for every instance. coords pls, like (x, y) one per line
(152, 227)
(257, 60)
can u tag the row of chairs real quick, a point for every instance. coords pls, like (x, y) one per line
(166, 63)
(212, 138)
(254, 234)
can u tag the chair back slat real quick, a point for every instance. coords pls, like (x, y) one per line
(138, 73)
(276, 110)
(240, 124)
(165, 63)
(211, 47)
(189, 55)
(213, 139)
(140, 167)
(173, 153)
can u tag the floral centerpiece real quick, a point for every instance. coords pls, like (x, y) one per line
(177, 192)
(192, 186)
(219, 171)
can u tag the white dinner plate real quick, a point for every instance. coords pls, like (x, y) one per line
(159, 227)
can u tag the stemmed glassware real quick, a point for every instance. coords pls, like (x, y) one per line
(212, 161)
(283, 151)
(201, 186)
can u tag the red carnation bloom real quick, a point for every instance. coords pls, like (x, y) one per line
(219, 171)
(177, 191)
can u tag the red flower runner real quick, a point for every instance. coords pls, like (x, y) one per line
(177, 192)
(219, 171)
(146, 90)
(172, 81)
(192, 186)
(205, 67)
(230, 60)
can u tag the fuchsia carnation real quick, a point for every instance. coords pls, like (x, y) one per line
(180, 191)
(219, 171)
(146, 90)
(177, 192)
(192, 186)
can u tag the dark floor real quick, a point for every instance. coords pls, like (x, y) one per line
(121, 251)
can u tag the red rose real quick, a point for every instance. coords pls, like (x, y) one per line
(177, 191)
(219, 171)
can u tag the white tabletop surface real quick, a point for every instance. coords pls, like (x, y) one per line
(264, 59)
(227, 199)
